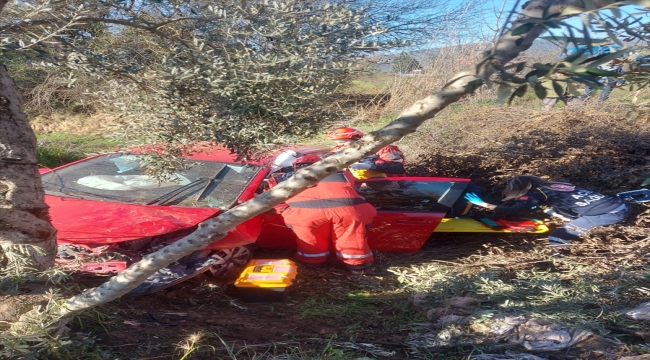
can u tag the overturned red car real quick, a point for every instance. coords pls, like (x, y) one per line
(109, 213)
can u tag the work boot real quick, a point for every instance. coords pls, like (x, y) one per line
(365, 269)
(313, 266)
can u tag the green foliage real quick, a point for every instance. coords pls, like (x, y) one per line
(602, 24)
(243, 74)
(60, 148)
(405, 63)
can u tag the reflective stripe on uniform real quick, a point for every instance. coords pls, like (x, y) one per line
(325, 203)
(343, 256)
(620, 208)
(313, 255)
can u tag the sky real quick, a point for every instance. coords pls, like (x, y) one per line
(479, 24)
(495, 12)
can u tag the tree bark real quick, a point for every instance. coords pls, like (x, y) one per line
(24, 216)
(463, 83)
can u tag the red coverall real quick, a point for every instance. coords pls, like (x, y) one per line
(331, 210)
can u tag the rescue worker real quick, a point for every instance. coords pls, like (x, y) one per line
(583, 209)
(609, 83)
(388, 161)
(635, 61)
(329, 213)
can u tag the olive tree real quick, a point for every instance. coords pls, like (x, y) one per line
(24, 220)
(238, 73)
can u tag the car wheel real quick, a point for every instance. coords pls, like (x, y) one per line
(230, 262)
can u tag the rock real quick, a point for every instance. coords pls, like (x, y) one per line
(420, 299)
(465, 302)
(437, 313)
(453, 319)
(12, 306)
(641, 312)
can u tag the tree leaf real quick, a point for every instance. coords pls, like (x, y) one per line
(572, 10)
(518, 93)
(575, 40)
(601, 72)
(540, 91)
(641, 3)
(559, 90)
(503, 93)
(585, 31)
(573, 90)
(523, 29)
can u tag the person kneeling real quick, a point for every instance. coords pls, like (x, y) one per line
(583, 209)
(331, 212)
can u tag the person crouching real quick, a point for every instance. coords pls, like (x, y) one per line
(330, 212)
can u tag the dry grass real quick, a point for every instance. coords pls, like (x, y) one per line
(585, 145)
(441, 64)
(80, 124)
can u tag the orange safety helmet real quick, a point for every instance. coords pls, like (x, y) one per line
(306, 159)
(344, 133)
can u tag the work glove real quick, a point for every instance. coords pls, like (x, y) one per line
(360, 166)
(475, 199)
(553, 213)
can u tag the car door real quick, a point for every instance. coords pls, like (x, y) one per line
(408, 209)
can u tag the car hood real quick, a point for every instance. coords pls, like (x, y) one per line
(91, 222)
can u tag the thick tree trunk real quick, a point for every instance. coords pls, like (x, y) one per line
(463, 83)
(24, 217)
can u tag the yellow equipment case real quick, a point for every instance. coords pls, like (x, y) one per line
(266, 280)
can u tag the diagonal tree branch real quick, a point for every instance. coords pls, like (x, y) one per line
(507, 48)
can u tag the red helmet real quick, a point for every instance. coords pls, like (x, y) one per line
(306, 159)
(344, 133)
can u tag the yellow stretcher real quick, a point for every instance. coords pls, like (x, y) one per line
(530, 226)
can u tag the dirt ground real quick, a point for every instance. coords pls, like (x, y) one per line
(331, 314)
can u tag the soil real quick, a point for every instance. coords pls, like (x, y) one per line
(590, 147)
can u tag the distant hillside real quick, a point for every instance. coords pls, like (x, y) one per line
(384, 62)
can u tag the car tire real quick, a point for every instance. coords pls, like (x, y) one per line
(230, 262)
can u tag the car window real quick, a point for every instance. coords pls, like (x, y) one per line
(118, 177)
(404, 195)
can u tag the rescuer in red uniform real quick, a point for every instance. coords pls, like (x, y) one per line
(329, 213)
(388, 161)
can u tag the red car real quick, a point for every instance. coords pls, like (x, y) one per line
(109, 214)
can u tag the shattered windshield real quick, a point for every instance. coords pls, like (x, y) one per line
(118, 177)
